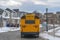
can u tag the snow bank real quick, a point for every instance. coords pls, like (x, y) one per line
(56, 25)
(47, 36)
(53, 29)
(6, 29)
(50, 37)
(14, 29)
(57, 33)
(15, 17)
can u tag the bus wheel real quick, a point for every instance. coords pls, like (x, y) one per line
(22, 36)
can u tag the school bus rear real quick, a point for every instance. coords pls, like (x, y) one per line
(30, 25)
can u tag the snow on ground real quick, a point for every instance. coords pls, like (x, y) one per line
(57, 32)
(51, 37)
(6, 29)
(53, 29)
(47, 36)
(43, 35)
(55, 25)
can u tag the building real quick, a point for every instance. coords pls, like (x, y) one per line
(11, 16)
(50, 17)
(1, 19)
(6, 16)
(58, 17)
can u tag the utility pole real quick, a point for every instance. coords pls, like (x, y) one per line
(46, 19)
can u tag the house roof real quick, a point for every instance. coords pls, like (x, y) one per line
(8, 9)
(57, 12)
(1, 11)
(48, 13)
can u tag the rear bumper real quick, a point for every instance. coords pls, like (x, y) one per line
(29, 33)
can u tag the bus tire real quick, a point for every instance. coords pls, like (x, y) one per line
(22, 36)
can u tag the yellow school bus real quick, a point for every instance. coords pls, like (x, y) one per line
(29, 25)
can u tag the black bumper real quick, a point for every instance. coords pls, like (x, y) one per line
(29, 33)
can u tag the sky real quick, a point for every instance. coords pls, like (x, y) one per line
(31, 5)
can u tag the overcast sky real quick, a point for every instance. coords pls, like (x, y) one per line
(31, 5)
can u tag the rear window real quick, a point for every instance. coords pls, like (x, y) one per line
(29, 22)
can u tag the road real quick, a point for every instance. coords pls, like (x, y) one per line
(16, 36)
